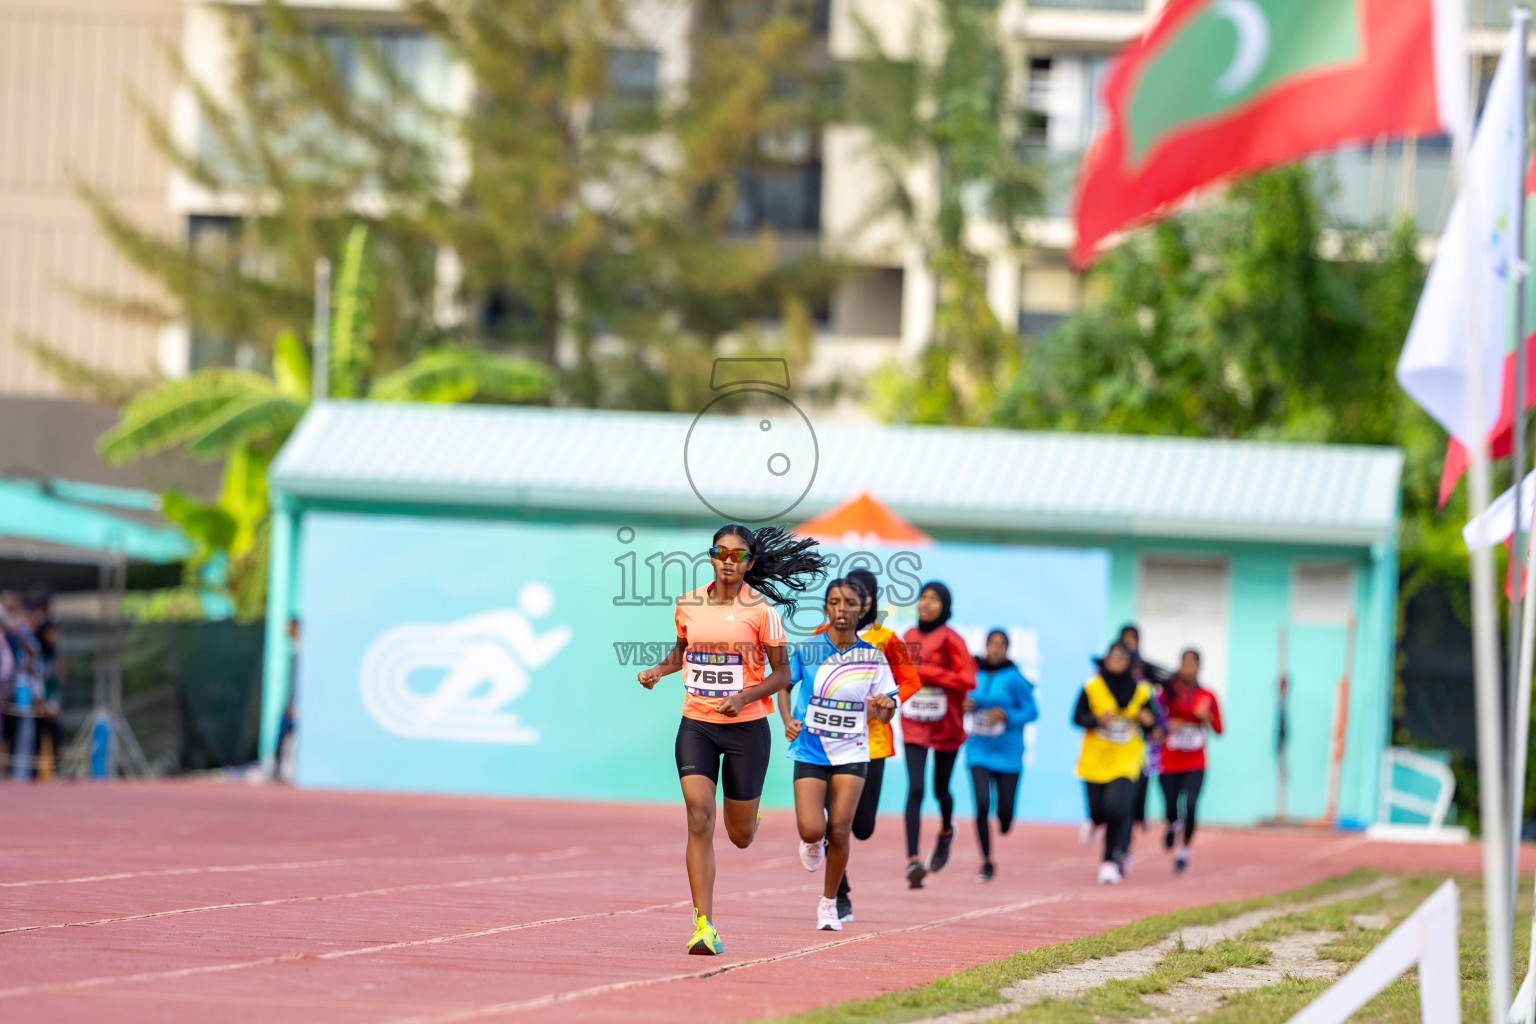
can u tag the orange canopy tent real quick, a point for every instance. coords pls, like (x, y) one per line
(861, 521)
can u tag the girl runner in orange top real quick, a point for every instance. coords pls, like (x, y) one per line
(731, 646)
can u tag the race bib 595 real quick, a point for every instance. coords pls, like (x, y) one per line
(836, 719)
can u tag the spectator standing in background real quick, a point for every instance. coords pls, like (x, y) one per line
(48, 703)
(19, 725)
(933, 719)
(1002, 704)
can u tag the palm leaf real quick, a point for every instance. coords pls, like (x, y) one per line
(349, 326)
(290, 367)
(175, 411)
(246, 421)
(243, 494)
(209, 526)
(457, 375)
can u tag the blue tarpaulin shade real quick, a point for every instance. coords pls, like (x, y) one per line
(65, 514)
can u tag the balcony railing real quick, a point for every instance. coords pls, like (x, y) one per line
(1490, 13)
(1360, 186)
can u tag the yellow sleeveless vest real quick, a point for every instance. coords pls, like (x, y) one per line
(1119, 751)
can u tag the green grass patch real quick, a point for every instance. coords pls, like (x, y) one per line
(1121, 999)
(981, 986)
(1398, 1003)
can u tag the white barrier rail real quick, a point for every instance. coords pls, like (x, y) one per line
(1427, 938)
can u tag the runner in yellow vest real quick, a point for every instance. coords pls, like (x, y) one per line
(1115, 711)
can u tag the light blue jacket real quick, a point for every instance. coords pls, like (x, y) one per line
(1003, 687)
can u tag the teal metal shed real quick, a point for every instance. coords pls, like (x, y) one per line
(1253, 552)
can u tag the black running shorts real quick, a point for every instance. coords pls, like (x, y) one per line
(743, 746)
(824, 772)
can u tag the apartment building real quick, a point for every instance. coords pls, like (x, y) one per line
(71, 66)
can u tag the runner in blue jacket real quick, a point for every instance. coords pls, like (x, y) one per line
(1001, 706)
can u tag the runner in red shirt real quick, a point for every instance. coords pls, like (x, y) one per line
(1192, 710)
(934, 719)
(732, 649)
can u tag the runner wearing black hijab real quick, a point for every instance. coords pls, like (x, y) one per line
(934, 719)
(1114, 710)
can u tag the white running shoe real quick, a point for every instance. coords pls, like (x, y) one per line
(1109, 873)
(826, 916)
(812, 855)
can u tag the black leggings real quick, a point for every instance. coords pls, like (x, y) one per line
(943, 768)
(864, 815)
(1139, 803)
(1007, 783)
(1109, 804)
(1186, 784)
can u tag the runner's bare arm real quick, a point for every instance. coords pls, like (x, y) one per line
(882, 707)
(792, 725)
(673, 662)
(773, 682)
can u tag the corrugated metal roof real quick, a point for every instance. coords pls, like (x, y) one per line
(939, 478)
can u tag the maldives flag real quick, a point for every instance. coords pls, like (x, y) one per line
(1220, 88)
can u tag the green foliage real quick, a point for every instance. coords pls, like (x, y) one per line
(459, 375)
(351, 334)
(1226, 321)
(951, 111)
(542, 216)
(244, 418)
(79, 377)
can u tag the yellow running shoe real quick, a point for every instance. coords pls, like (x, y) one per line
(705, 941)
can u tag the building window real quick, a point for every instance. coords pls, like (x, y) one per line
(216, 240)
(632, 91)
(1322, 593)
(1185, 603)
(419, 63)
(782, 187)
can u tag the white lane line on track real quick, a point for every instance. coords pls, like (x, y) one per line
(501, 1009)
(341, 954)
(386, 891)
(464, 883)
(300, 865)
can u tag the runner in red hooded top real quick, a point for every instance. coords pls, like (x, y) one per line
(934, 719)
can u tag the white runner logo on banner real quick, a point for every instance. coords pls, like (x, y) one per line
(484, 662)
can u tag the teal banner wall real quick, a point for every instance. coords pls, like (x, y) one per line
(1240, 785)
(457, 656)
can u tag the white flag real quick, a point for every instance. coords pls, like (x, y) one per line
(1497, 523)
(1433, 366)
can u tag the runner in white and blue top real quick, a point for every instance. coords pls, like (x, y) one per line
(840, 682)
(832, 705)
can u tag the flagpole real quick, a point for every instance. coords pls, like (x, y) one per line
(1491, 766)
(1519, 677)
(1522, 739)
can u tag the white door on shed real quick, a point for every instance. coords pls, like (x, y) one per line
(1186, 602)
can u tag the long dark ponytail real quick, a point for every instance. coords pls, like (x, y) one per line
(782, 563)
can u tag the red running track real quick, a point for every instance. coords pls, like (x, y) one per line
(170, 902)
